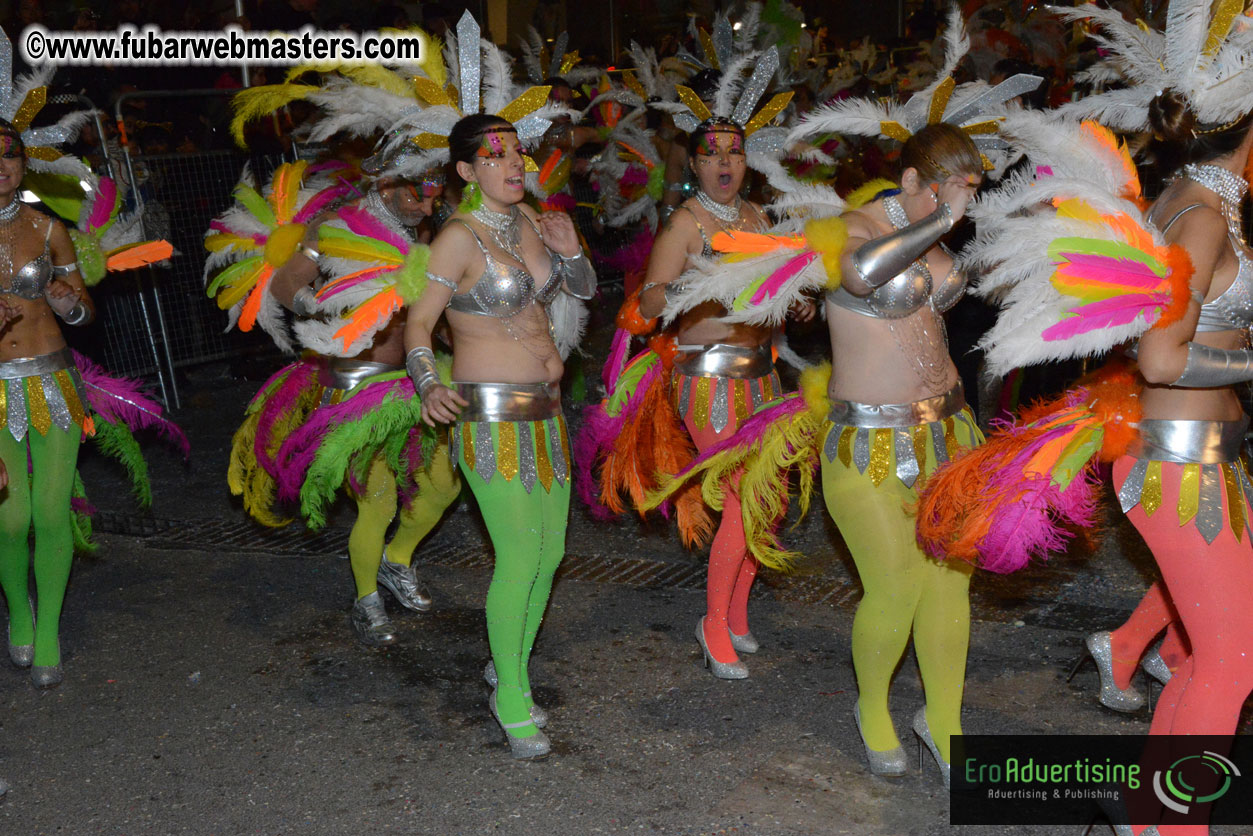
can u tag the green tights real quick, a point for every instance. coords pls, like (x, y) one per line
(438, 488)
(44, 501)
(528, 531)
(903, 590)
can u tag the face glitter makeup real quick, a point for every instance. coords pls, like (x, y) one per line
(720, 141)
(11, 147)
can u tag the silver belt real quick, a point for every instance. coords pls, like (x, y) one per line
(31, 366)
(721, 360)
(509, 401)
(1190, 442)
(347, 373)
(925, 411)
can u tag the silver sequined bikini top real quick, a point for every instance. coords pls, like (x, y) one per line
(31, 281)
(503, 290)
(907, 292)
(1233, 309)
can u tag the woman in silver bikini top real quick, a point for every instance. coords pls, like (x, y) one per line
(503, 290)
(910, 289)
(31, 280)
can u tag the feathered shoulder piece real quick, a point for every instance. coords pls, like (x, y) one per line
(103, 243)
(255, 237)
(758, 276)
(374, 273)
(1066, 250)
(1203, 54)
(975, 107)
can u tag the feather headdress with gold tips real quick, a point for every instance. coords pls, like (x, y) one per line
(542, 63)
(480, 80)
(974, 107)
(21, 102)
(1203, 54)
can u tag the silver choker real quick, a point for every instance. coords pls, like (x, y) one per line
(10, 211)
(1230, 188)
(503, 228)
(724, 213)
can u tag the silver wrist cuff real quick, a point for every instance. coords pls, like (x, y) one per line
(310, 253)
(1209, 367)
(304, 302)
(580, 278)
(420, 364)
(879, 261)
(77, 315)
(64, 269)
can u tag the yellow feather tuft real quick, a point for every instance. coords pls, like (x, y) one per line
(863, 195)
(815, 382)
(255, 102)
(827, 237)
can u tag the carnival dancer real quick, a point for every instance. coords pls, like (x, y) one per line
(497, 271)
(712, 375)
(891, 408)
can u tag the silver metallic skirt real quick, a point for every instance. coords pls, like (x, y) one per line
(1206, 455)
(867, 435)
(42, 392)
(513, 430)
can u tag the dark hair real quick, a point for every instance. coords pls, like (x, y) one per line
(939, 151)
(467, 135)
(1180, 139)
(705, 83)
(693, 139)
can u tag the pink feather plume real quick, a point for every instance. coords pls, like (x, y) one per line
(118, 399)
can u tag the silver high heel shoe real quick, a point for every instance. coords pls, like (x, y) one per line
(22, 654)
(745, 643)
(402, 582)
(721, 670)
(538, 715)
(886, 763)
(522, 748)
(370, 622)
(47, 676)
(1126, 700)
(924, 734)
(1155, 666)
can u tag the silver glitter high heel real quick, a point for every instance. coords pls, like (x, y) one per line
(924, 734)
(746, 643)
(887, 763)
(1100, 649)
(370, 622)
(47, 676)
(402, 582)
(721, 670)
(522, 748)
(1155, 666)
(538, 715)
(22, 654)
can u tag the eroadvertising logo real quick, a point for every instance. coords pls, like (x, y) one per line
(1176, 787)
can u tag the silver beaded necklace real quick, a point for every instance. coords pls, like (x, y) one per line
(1230, 188)
(723, 212)
(503, 227)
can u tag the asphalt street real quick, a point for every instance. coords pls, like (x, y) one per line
(213, 685)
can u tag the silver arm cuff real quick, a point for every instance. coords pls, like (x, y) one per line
(1209, 367)
(579, 276)
(420, 364)
(310, 253)
(304, 302)
(438, 279)
(879, 261)
(77, 315)
(64, 269)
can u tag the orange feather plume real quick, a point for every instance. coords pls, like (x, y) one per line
(1179, 263)
(631, 320)
(252, 307)
(138, 255)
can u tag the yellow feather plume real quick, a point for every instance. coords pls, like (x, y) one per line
(827, 237)
(863, 195)
(255, 102)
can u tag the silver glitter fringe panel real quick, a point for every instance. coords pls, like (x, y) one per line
(1204, 456)
(870, 436)
(534, 452)
(42, 392)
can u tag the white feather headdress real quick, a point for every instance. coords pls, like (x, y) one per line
(21, 102)
(975, 107)
(1203, 54)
